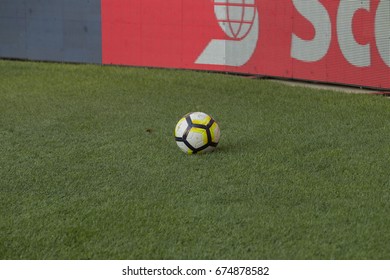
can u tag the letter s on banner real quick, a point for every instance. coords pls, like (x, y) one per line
(312, 50)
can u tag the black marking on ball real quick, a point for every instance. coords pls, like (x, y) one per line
(211, 122)
(189, 121)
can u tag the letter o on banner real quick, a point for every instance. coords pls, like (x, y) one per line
(382, 30)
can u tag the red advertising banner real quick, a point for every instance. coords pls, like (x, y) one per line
(334, 41)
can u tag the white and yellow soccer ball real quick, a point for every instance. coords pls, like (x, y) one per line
(197, 133)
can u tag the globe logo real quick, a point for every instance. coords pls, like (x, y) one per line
(235, 17)
(239, 19)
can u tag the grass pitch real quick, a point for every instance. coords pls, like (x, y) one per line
(89, 168)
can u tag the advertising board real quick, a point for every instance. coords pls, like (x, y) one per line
(333, 41)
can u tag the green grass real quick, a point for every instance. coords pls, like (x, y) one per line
(89, 168)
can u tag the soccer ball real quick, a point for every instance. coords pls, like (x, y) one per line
(197, 133)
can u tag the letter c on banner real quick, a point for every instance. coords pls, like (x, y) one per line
(357, 55)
